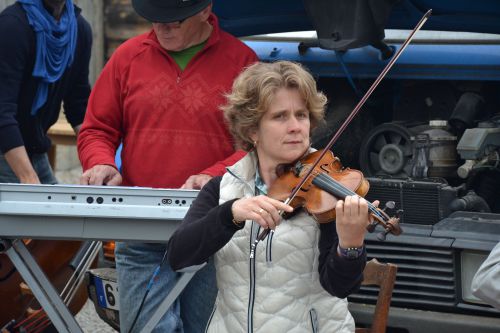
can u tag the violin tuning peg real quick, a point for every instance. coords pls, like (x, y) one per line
(4, 245)
(381, 236)
(371, 227)
(390, 205)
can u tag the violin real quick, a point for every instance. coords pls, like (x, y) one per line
(328, 182)
(318, 171)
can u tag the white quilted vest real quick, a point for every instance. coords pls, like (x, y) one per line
(279, 291)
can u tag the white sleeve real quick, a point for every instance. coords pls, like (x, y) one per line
(486, 282)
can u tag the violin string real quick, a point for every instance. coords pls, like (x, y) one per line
(347, 192)
(38, 317)
(67, 294)
(30, 317)
(33, 319)
(327, 180)
(40, 327)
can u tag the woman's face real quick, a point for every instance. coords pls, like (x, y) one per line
(283, 132)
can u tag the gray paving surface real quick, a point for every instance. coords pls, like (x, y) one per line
(90, 321)
(70, 176)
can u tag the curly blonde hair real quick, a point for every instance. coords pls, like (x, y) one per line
(253, 92)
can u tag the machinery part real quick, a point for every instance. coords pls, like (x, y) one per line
(470, 202)
(434, 152)
(479, 147)
(478, 142)
(393, 149)
(386, 151)
(468, 107)
(423, 202)
(343, 25)
(485, 182)
(464, 170)
(492, 161)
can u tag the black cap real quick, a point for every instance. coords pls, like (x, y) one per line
(166, 11)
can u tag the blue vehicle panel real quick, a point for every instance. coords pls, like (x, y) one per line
(453, 62)
(245, 18)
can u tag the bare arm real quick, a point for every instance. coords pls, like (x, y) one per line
(19, 162)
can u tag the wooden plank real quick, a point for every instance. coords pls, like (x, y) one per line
(92, 10)
(121, 23)
(61, 133)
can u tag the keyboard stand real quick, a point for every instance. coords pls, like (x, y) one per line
(87, 213)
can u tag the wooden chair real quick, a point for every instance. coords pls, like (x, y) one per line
(384, 276)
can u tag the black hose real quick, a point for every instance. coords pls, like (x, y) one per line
(471, 202)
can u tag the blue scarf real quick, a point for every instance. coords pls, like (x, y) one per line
(55, 45)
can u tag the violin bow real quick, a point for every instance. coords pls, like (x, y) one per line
(348, 120)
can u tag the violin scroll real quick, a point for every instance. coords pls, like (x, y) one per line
(390, 224)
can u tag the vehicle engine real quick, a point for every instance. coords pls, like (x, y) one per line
(455, 162)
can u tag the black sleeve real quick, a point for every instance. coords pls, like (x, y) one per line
(339, 276)
(77, 95)
(206, 228)
(15, 41)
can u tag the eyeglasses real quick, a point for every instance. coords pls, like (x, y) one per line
(175, 24)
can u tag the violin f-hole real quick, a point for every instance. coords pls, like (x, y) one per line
(325, 168)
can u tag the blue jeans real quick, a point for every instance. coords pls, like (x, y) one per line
(135, 264)
(40, 163)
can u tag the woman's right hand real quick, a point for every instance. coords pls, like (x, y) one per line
(261, 209)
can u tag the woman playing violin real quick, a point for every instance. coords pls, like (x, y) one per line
(301, 273)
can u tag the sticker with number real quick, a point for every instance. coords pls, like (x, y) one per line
(107, 293)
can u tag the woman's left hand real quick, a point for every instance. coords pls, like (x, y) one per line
(352, 218)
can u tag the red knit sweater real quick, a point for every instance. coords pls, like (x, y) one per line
(169, 120)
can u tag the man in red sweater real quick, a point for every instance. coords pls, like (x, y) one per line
(159, 95)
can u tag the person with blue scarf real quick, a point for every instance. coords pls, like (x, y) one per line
(44, 62)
